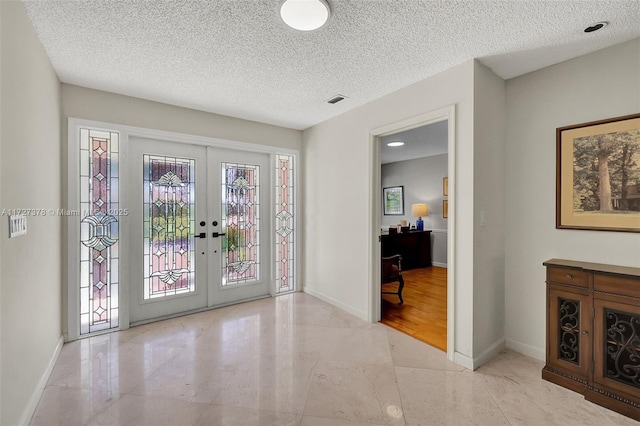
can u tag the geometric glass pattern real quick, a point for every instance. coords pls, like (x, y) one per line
(569, 332)
(99, 247)
(284, 214)
(622, 357)
(241, 223)
(168, 226)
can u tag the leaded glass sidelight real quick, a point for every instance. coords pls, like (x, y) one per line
(99, 239)
(169, 226)
(240, 223)
(284, 213)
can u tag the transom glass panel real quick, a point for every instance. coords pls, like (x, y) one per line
(99, 236)
(240, 223)
(169, 226)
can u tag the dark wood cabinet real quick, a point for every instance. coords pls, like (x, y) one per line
(413, 246)
(593, 332)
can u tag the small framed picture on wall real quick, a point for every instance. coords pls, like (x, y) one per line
(393, 199)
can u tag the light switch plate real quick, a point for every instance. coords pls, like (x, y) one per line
(17, 225)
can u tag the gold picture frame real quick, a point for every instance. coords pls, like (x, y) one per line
(598, 175)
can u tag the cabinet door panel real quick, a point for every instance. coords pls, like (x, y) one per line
(569, 330)
(617, 346)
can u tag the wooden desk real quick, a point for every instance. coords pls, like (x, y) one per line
(413, 246)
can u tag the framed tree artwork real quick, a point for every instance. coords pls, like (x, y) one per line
(598, 175)
(393, 199)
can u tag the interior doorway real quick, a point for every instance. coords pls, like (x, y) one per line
(415, 161)
(429, 273)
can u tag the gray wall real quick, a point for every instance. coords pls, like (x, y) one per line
(30, 277)
(422, 181)
(592, 87)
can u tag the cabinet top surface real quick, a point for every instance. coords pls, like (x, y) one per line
(426, 231)
(594, 267)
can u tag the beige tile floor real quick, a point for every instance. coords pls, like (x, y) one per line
(294, 360)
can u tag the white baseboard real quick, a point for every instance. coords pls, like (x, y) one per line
(463, 360)
(484, 357)
(525, 349)
(30, 409)
(489, 353)
(336, 303)
(442, 265)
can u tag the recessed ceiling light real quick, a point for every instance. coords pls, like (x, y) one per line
(397, 143)
(596, 27)
(305, 15)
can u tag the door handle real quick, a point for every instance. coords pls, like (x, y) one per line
(201, 235)
(216, 235)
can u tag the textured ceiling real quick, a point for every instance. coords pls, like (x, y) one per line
(237, 58)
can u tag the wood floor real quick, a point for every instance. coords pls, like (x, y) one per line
(424, 312)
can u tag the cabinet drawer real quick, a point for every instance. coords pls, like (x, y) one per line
(626, 286)
(568, 276)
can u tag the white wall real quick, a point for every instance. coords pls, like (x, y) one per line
(488, 242)
(422, 181)
(89, 104)
(337, 199)
(592, 87)
(30, 178)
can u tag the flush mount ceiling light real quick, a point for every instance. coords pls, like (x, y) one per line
(305, 15)
(397, 143)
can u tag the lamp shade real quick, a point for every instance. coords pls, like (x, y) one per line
(419, 209)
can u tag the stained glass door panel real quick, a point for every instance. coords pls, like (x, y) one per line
(168, 200)
(241, 219)
(169, 226)
(240, 199)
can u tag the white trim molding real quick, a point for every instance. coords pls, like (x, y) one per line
(525, 349)
(484, 357)
(375, 201)
(334, 302)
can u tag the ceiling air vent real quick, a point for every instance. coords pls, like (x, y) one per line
(336, 99)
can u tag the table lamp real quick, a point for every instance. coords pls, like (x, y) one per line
(419, 209)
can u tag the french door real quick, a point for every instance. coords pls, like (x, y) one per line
(199, 227)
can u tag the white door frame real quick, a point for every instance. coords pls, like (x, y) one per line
(71, 271)
(375, 135)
